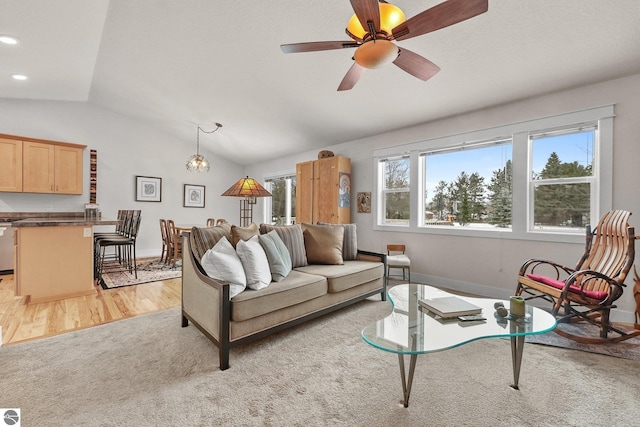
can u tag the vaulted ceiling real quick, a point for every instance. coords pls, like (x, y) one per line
(179, 64)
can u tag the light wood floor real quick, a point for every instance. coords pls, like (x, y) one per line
(24, 322)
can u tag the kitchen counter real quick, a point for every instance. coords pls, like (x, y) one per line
(54, 222)
(54, 257)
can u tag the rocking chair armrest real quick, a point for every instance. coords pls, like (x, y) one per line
(530, 265)
(581, 277)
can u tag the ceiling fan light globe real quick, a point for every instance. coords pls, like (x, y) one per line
(375, 54)
(390, 17)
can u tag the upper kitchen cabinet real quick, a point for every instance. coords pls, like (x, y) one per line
(10, 165)
(46, 166)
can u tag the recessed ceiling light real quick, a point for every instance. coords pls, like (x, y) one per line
(19, 76)
(8, 39)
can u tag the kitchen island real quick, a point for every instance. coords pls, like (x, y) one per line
(53, 257)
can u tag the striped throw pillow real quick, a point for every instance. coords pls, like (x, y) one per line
(204, 238)
(291, 236)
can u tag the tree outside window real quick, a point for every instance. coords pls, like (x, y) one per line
(470, 186)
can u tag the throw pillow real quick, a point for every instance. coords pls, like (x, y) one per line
(350, 243)
(277, 254)
(204, 238)
(222, 263)
(255, 263)
(323, 244)
(293, 239)
(243, 233)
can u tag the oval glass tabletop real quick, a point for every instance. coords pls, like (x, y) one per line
(411, 329)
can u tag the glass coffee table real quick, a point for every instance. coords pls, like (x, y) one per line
(412, 330)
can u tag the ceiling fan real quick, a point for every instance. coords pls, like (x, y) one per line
(377, 23)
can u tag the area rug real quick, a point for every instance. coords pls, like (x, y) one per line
(629, 349)
(149, 270)
(149, 371)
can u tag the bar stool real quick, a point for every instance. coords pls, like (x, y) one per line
(124, 248)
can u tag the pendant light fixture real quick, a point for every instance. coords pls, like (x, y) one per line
(198, 162)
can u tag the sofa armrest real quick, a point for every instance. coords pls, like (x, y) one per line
(205, 301)
(372, 257)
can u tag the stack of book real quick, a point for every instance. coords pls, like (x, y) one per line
(449, 306)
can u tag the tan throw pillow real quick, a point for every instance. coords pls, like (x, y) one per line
(323, 244)
(350, 243)
(243, 233)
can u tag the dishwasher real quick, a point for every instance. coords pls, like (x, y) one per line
(6, 248)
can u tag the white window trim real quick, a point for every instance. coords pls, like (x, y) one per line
(267, 206)
(519, 133)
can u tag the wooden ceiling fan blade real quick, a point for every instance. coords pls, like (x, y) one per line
(416, 65)
(317, 46)
(442, 15)
(367, 11)
(351, 78)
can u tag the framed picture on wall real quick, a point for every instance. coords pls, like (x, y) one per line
(148, 189)
(193, 196)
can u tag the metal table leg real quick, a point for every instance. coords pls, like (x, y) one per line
(407, 381)
(517, 346)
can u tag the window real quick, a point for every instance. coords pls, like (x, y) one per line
(281, 206)
(395, 189)
(562, 178)
(542, 179)
(468, 186)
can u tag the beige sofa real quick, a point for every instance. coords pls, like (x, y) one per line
(307, 292)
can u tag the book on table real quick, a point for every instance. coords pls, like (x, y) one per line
(449, 306)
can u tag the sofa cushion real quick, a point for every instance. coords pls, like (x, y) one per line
(323, 244)
(243, 233)
(350, 242)
(292, 238)
(277, 255)
(255, 263)
(348, 275)
(204, 238)
(296, 288)
(222, 263)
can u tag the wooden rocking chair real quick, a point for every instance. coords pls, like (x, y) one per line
(589, 291)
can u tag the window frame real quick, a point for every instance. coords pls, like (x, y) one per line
(267, 214)
(519, 133)
(384, 191)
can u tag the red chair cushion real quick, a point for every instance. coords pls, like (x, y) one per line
(559, 284)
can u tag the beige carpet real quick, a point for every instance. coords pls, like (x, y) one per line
(148, 371)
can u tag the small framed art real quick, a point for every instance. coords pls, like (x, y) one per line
(193, 196)
(148, 189)
(364, 202)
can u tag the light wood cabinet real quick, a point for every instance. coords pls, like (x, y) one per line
(31, 165)
(10, 165)
(46, 269)
(323, 191)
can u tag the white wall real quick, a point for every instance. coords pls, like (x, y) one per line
(126, 148)
(489, 265)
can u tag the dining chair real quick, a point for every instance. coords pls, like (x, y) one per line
(211, 222)
(165, 241)
(175, 242)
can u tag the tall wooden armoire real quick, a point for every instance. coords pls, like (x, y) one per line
(323, 191)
